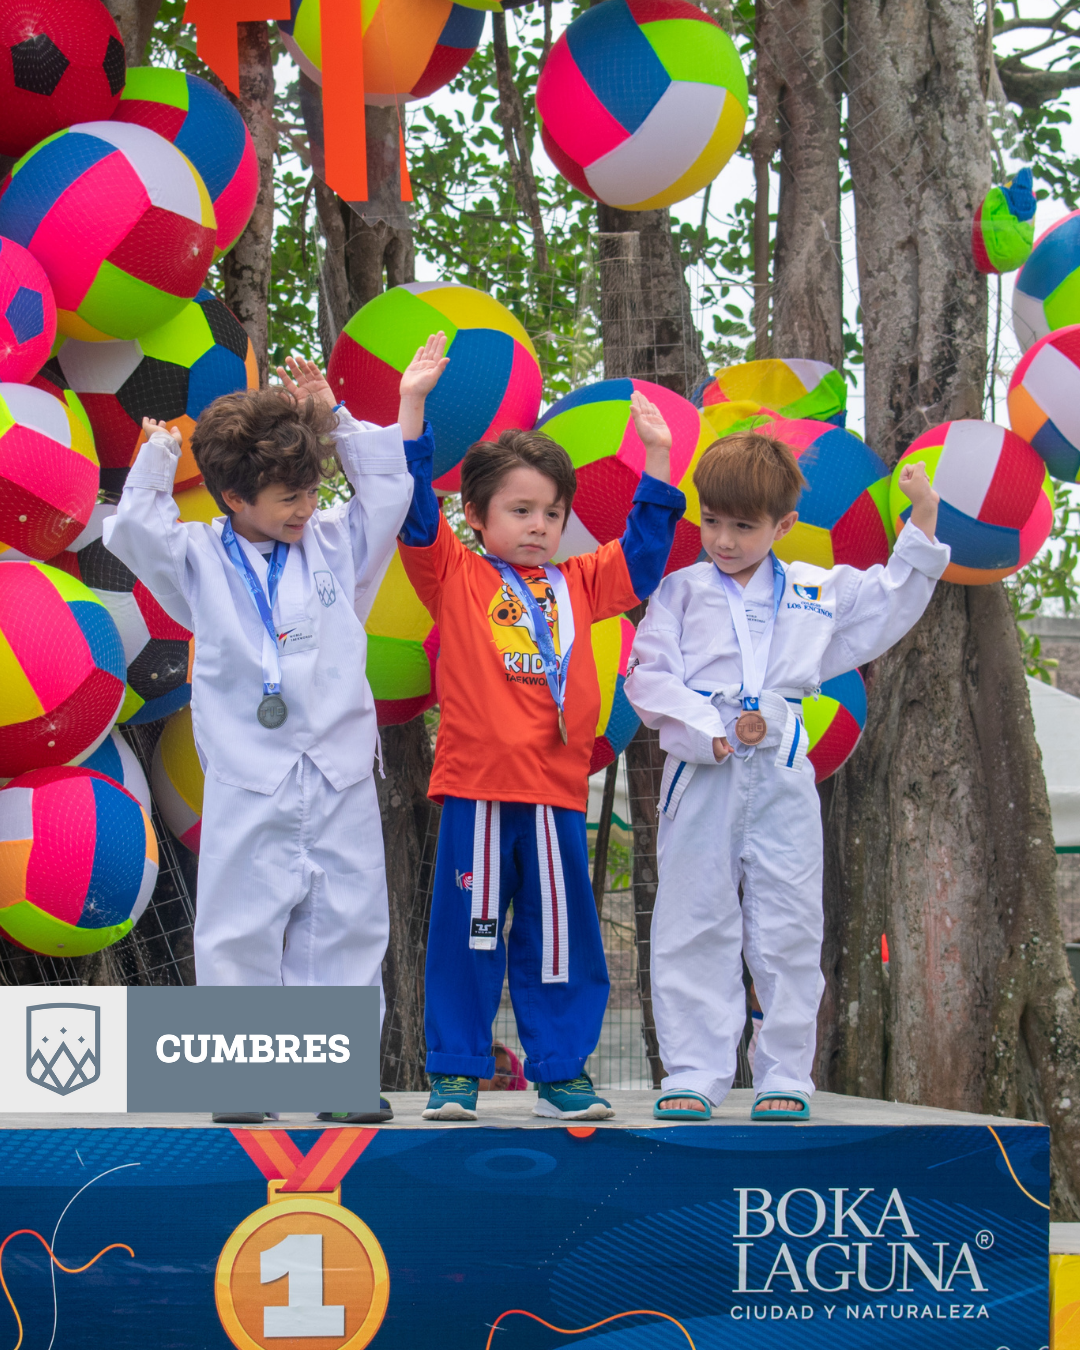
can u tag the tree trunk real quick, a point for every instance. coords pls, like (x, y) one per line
(938, 829)
(644, 766)
(800, 50)
(135, 19)
(246, 267)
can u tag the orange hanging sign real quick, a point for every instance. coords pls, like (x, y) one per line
(215, 31)
(344, 116)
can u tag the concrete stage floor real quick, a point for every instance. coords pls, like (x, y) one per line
(513, 1110)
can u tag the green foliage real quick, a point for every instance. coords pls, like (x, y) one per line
(1049, 577)
(294, 273)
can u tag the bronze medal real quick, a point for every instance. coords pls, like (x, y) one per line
(562, 726)
(751, 728)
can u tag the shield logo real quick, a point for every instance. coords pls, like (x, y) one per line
(808, 592)
(62, 1042)
(324, 582)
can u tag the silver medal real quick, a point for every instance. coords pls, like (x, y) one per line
(272, 711)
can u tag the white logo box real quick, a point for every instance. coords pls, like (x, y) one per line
(48, 1057)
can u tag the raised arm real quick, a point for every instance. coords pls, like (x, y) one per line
(690, 726)
(146, 533)
(421, 526)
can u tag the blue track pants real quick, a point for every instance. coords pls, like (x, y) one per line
(491, 854)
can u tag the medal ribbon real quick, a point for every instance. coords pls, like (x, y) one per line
(555, 670)
(754, 664)
(264, 607)
(321, 1169)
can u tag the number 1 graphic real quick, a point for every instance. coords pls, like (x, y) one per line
(299, 1257)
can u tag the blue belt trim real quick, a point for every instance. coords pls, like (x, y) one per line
(794, 742)
(671, 789)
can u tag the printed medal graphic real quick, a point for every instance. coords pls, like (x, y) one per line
(62, 1041)
(303, 1265)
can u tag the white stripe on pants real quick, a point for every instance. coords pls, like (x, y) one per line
(301, 869)
(744, 821)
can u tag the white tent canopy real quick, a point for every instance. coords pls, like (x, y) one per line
(1057, 729)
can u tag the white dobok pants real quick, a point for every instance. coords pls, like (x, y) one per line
(744, 821)
(292, 886)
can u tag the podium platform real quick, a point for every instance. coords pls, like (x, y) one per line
(875, 1223)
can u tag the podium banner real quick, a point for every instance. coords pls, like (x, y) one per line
(82, 1049)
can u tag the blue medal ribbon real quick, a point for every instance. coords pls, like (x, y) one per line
(754, 663)
(264, 606)
(555, 670)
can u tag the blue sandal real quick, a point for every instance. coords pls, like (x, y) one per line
(660, 1114)
(803, 1112)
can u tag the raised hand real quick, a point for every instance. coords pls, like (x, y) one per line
(304, 379)
(423, 371)
(149, 426)
(649, 423)
(915, 484)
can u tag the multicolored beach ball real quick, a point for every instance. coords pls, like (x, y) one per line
(1003, 230)
(61, 61)
(202, 123)
(1044, 401)
(116, 760)
(159, 652)
(171, 373)
(834, 722)
(27, 314)
(997, 502)
(1047, 291)
(844, 509)
(78, 861)
(120, 221)
(402, 649)
(61, 669)
(493, 380)
(48, 471)
(617, 723)
(196, 504)
(411, 47)
(176, 777)
(791, 388)
(594, 427)
(642, 102)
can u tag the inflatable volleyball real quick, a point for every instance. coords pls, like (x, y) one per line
(78, 862)
(642, 102)
(61, 61)
(176, 777)
(116, 760)
(158, 651)
(617, 723)
(492, 382)
(1003, 230)
(844, 508)
(170, 373)
(48, 471)
(834, 721)
(1044, 401)
(997, 503)
(204, 125)
(594, 427)
(792, 388)
(61, 669)
(120, 221)
(402, 648)
(27, 314)
(411, 47)
(1047, 291)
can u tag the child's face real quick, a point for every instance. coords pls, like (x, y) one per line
(524, 522)
(737, 546)
(278, 512)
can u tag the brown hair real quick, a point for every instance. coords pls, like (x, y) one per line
(245, 442)
(749, 476)
(488, 464)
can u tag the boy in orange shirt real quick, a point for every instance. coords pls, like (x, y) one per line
(519, 701)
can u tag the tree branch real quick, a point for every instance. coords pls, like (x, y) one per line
(1030, 88)
(512, 121)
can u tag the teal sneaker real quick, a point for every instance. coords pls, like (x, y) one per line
(571, 1099)
(453, 1097)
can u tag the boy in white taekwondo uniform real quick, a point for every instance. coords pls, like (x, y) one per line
(292, 885)
(721, 662)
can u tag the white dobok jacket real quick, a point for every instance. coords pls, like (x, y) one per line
(340, 556)
(686, 668)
